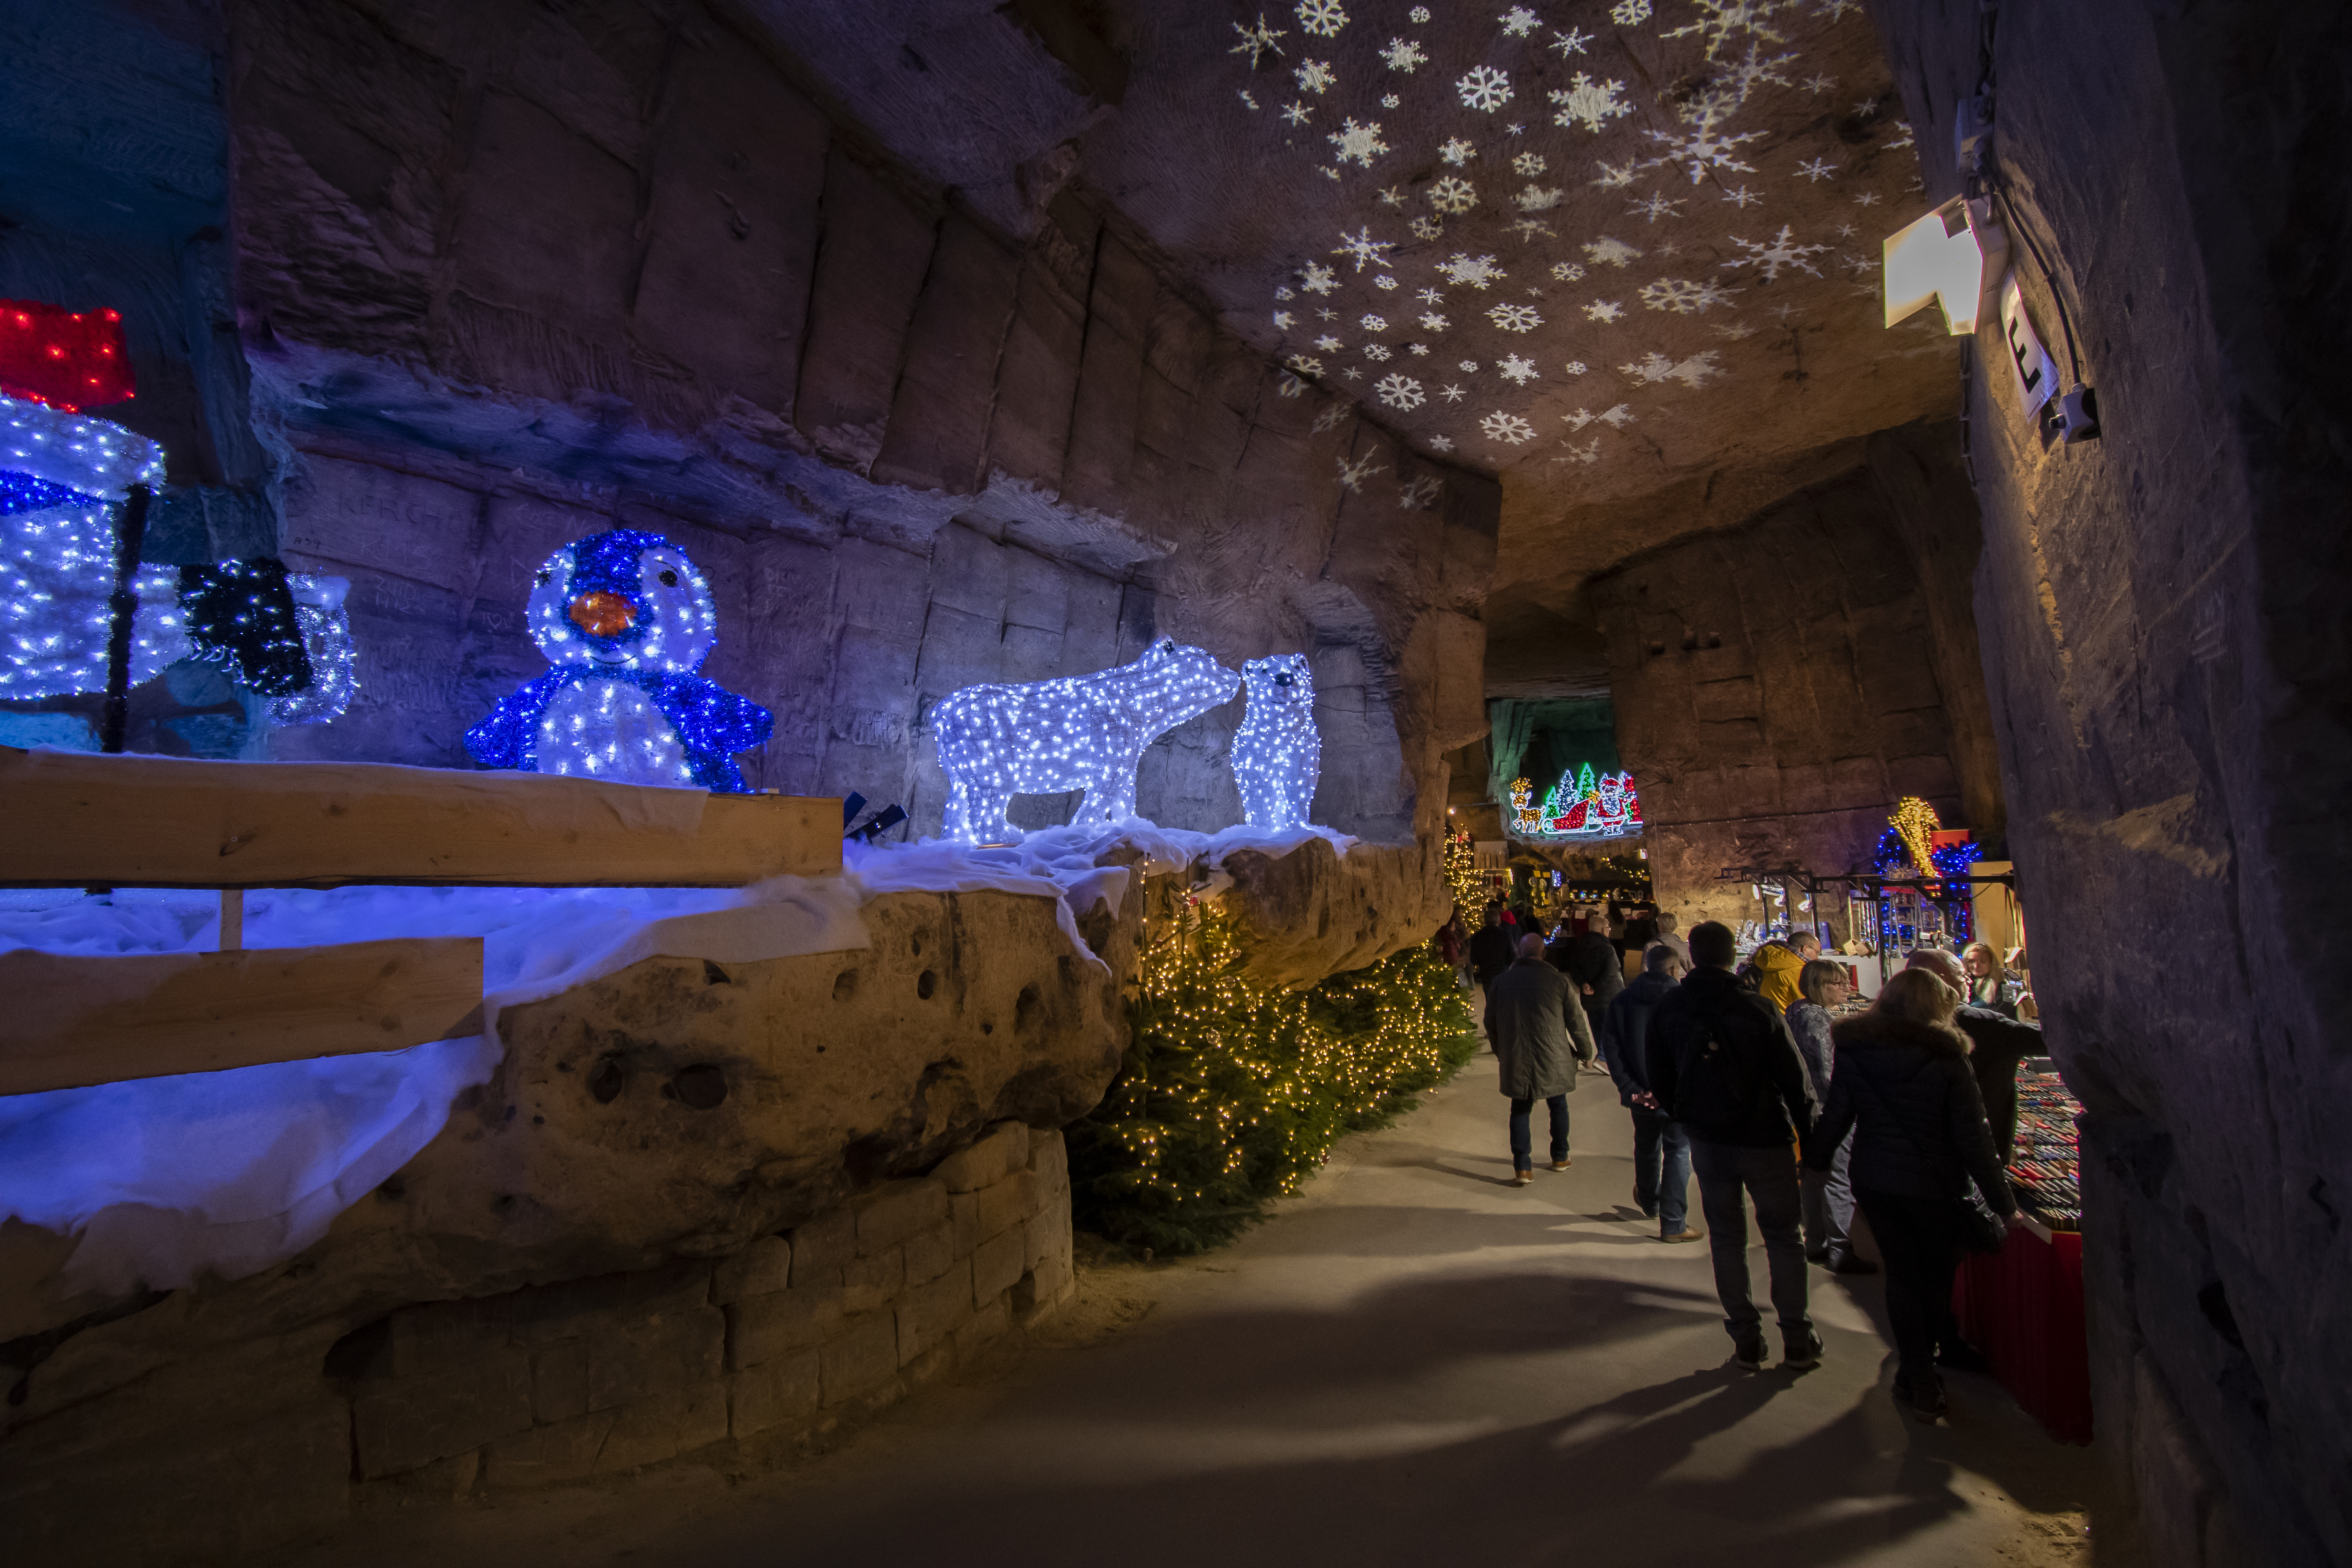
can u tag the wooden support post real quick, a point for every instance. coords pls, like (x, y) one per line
(231, 927)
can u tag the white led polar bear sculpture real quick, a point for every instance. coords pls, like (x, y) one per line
(1278, 754)
(1084, 732)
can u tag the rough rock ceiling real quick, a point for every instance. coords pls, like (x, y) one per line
(1623, 253)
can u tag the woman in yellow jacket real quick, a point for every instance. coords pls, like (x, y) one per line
(1778, 964)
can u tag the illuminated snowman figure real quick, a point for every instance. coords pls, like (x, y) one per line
(1278, 754)
(1084, 732)
(627, 620)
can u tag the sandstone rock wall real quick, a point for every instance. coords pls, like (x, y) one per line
(2163, 622)
(508, 275)
(1777, 686)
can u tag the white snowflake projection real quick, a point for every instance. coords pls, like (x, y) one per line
(1720, 19)
(1846, 231)
(1399, 390)
(1866, 108)
(1305, 365)
(1416, 348)
(1782, 313)
(1588, 454)
(1283, 318)
(1426, 227)
(1285, 293)
(1390, 196)
(1469, 365)
(1441, 443)
(1655, 367)
(1257, 41)
(1376, 351)
(1630, 13)
(1353, 475)
(1702, 148)
(1529, 164)
(1318, 279)
(1453, 194)
(1290, 385)
(1777, 255)
(1475, 271)
(1578, 420)
(1248, 100)
(1538, 198)
(1745, 76)
(1684, 298)
(1360, 143)
(1433, 322)
(1431, 296)
(1602, 252)
(1457, 152)
(1384, 281)
(1527, 228)
(1351, 372)
(1515, 318)
(1391, 100)
(1743, 198)
(1617, 417)
(1817, 171)
(1324, 19)
(1589, 103)
(1508, 429)
(1865, 198)
(1667, 247)
(1298, 114)
(1330, 418)
(1327, 344)
(1603, 310)
(1858, 264)
(1485, 88)
(1735, 330)
(1567, 271)
(1836, 10)
(1819, 83)
(1574, 367)
(1518, 371)
(1903, 139)
(1374, 324)
(1420, 14)
(1404, 54)
(1654, 206)
(1515, 130)
(1421, 494)
(1362, 250)
(1519, 21)
(1326, 314)
(1315, 77)
(1614, 176)
(1571, 42)
(1452, 393)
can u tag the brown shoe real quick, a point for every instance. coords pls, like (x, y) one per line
(1685, 1235)
(1559, 1164)
(1523, 1178)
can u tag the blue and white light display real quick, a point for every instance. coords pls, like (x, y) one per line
(1083, 732)
(627, 620)
(326, 629)
(59, 474)
(1277, 752)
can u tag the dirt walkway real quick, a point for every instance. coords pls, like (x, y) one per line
(1413, 1364)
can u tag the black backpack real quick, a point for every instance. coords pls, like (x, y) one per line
(1714, 1086)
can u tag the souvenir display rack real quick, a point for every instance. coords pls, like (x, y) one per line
(2044, 1173)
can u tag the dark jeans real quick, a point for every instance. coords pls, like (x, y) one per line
(1522, 1139)
(1829, 1206)
(1728, 1177)
(1661, 1140)
(1919, 1242)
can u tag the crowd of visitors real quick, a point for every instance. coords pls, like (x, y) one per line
(1759, 1081)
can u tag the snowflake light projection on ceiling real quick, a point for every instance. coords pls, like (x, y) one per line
(1472, 271)
(1403, 55)
(1257, 41)
(1324, 19)
(1507, 427)
(1362, 144)
(1775, 255)
(1485, 88)
(1684, 297)
(1451, 195)
(1718, 20)
(1399, 390)
(1515, 318)
(1589, 103)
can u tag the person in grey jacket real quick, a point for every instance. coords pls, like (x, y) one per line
(1903, 1087)
(1822, 985)
(1539, 1033)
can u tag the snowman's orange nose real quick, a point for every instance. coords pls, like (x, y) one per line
(603, 614)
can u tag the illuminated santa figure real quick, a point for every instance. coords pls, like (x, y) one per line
(1597, 806)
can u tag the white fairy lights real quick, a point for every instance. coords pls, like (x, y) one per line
(1082, 732)
(1277, 752)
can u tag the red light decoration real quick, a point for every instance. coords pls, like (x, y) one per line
(70, 360)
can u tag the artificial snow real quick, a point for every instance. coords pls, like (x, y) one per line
(164, 1181)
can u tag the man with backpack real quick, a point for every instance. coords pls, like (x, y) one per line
(1723, 1063)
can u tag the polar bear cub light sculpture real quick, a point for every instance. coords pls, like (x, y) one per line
(1277, 753)
(1084, 732)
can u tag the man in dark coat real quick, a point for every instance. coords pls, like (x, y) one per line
(1492, 947)
(1661, 1147)
(1594, 967)
(1539, 1035)
(1723, 1063)
(1996, 1045)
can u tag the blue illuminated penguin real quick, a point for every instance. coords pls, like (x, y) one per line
(627, 620)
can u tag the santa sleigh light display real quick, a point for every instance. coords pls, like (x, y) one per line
(1590, 806)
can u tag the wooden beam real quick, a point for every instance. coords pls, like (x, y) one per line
(78, 820)
(71, 1022)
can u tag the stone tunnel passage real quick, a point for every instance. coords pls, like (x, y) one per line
(1412, 1362)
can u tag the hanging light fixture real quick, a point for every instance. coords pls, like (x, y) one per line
(1955, 255)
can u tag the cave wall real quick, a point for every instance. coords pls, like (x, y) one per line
(508, 275)
(2165, 638)
(1778, 688)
